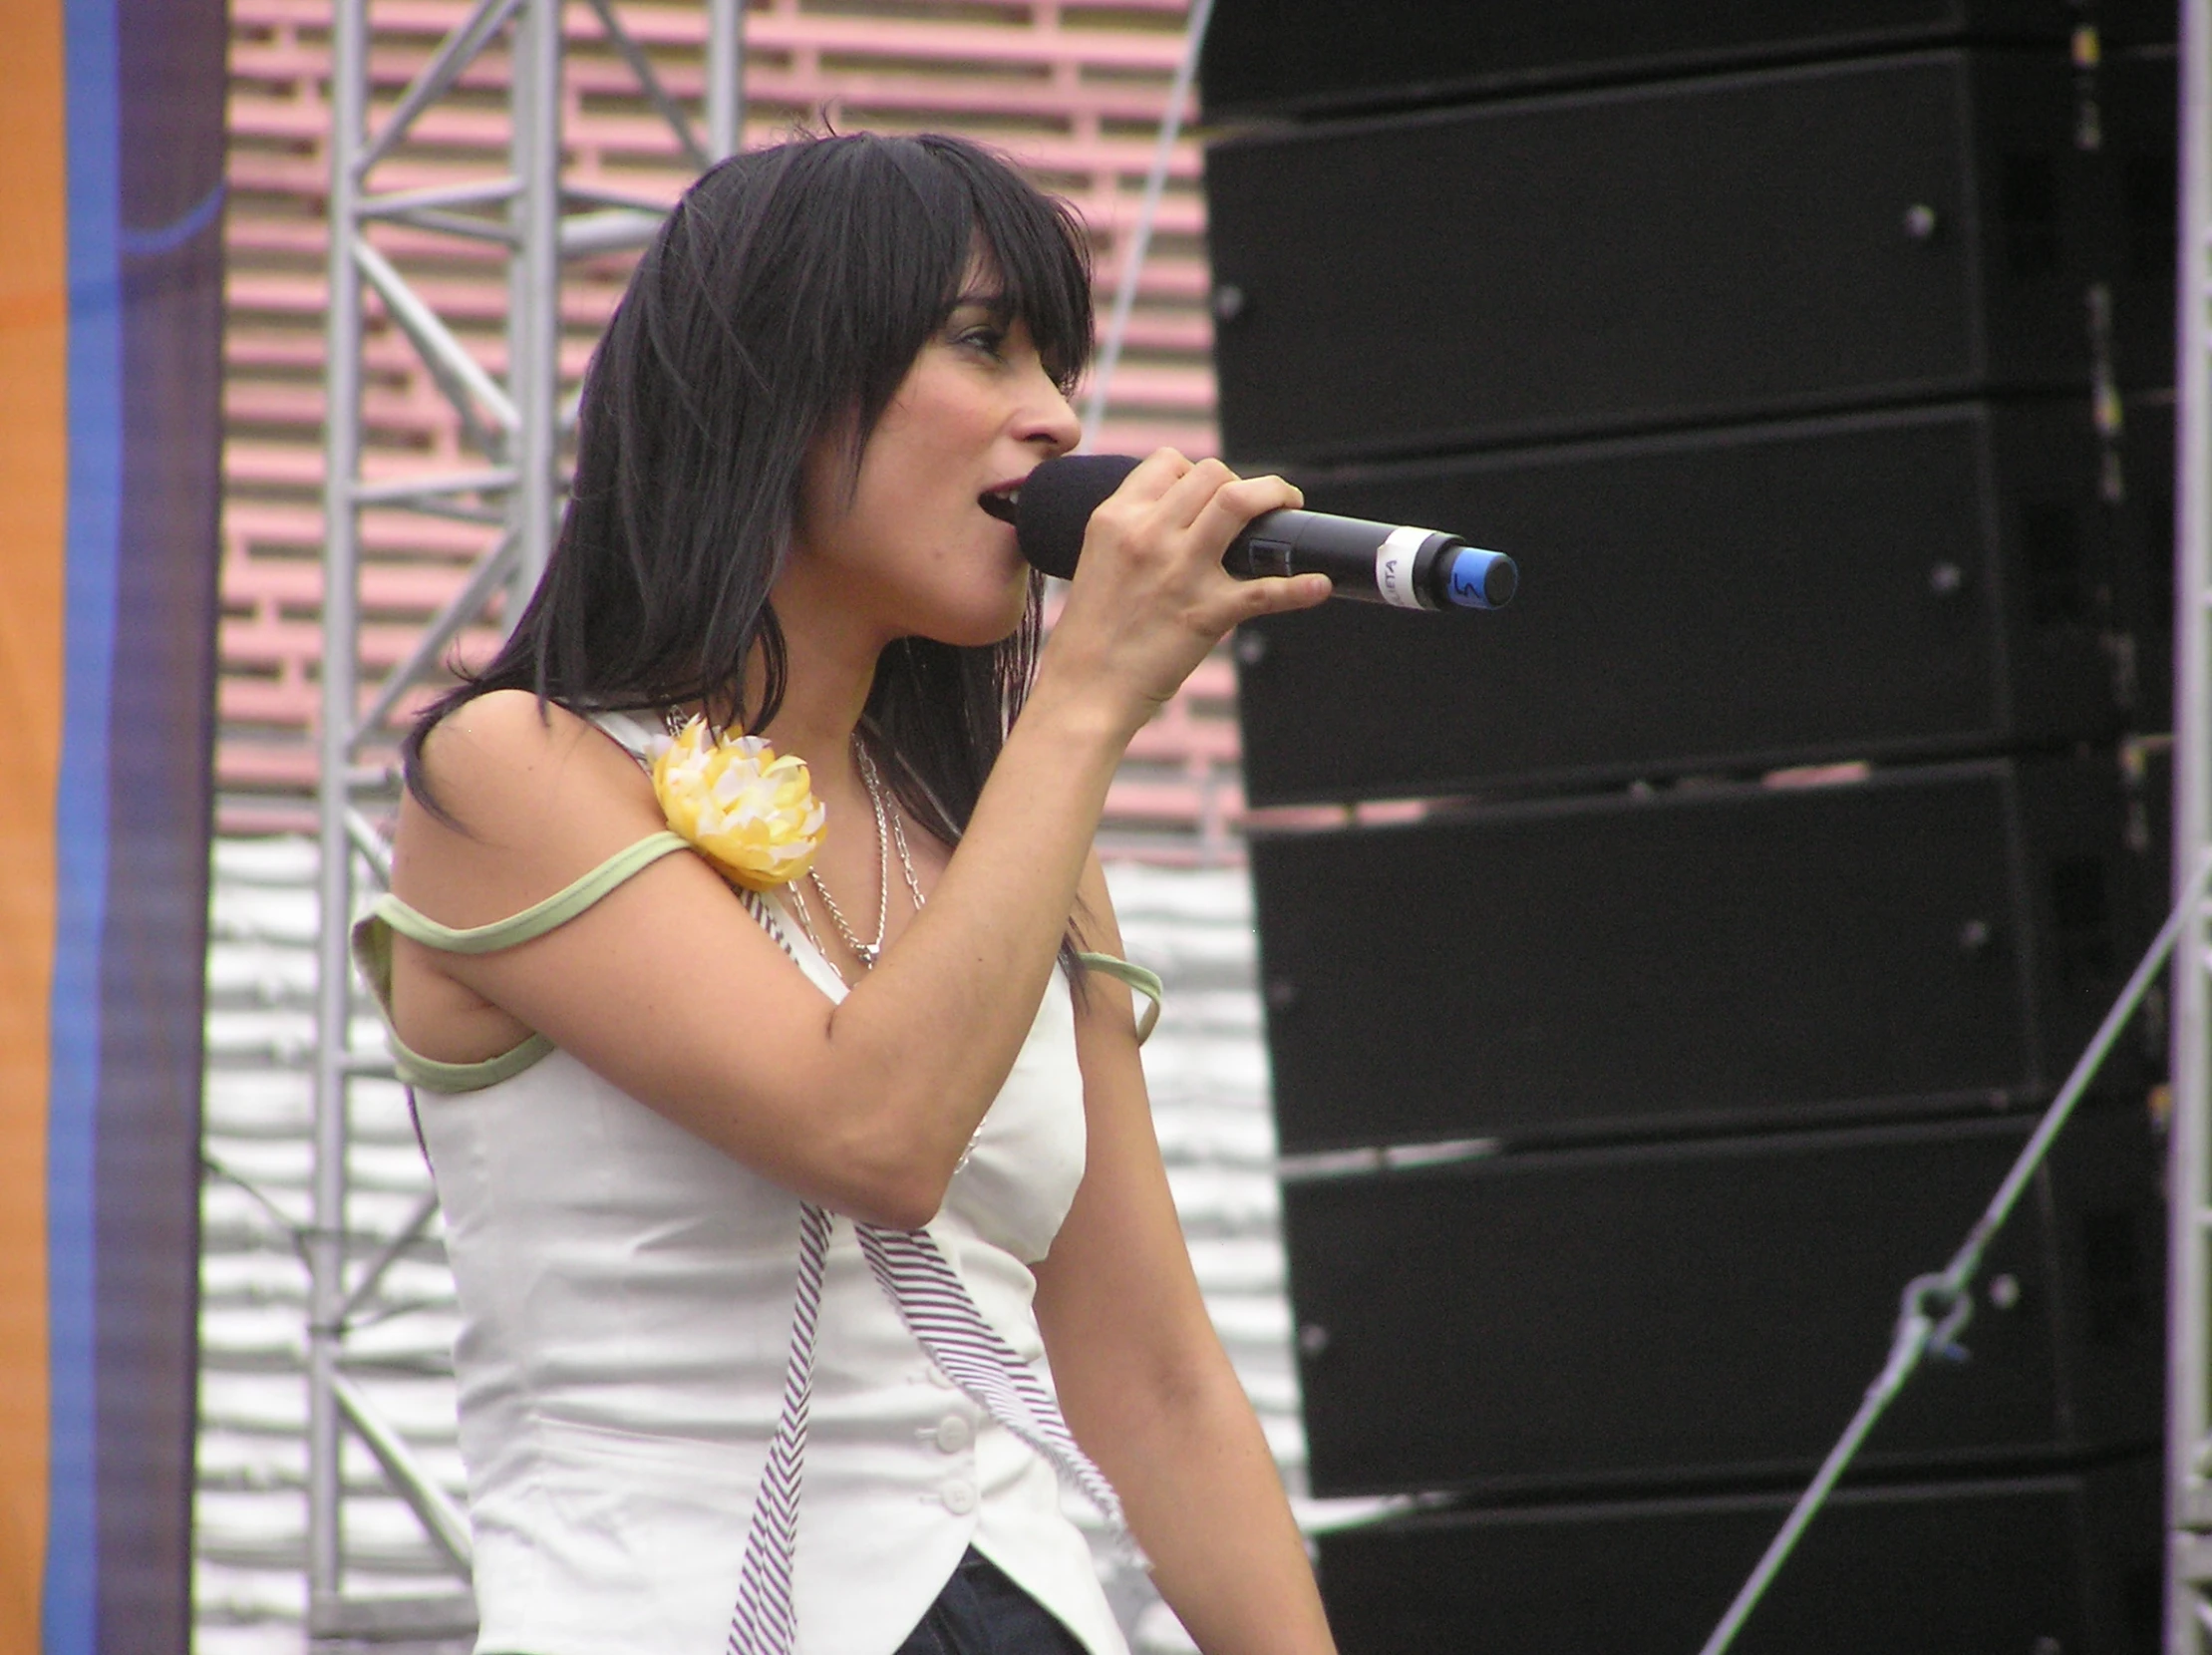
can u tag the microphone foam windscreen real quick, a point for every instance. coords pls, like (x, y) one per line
(1058, 498)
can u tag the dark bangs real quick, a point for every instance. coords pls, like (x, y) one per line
(1042, 254)
(921, 211)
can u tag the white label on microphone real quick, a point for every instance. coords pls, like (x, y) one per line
(1394, 566)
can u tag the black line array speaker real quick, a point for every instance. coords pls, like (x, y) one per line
(1710, 918)
(1730, 248)
(1266, 58)
(2062, 1563)
(1658, 1315)
(1902, 584)
(1706, 958)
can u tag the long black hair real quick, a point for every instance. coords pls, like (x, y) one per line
(782, 305)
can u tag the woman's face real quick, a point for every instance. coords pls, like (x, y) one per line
(910, 550)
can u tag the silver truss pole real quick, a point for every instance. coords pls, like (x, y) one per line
(2189, 1379)
(724, 78)
(326, 1250)
(515, 422)
(533, 315)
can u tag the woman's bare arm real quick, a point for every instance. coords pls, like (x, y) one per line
(669, 989)
(1142, 1377)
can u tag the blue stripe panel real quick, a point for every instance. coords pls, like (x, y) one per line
(70, 1594)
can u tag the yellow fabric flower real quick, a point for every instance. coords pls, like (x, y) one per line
(750, 812)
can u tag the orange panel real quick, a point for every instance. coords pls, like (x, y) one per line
(33, 480)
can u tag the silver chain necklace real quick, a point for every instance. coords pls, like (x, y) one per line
(886, 835)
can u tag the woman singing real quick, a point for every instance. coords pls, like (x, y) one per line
(767, 1191)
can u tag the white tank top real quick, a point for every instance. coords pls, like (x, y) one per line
(626, 1294)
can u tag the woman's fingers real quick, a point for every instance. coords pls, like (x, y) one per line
(1169, 524)
(1278, 595)
(1212, 499)
(1182, 492)
(1154, 476)
(1183, 504)
(1234, 502)
(1168, 499)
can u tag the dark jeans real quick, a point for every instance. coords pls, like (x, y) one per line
(981, 1612)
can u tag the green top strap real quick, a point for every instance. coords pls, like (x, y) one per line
(1136, 977)
(539, 918)
(371, 955)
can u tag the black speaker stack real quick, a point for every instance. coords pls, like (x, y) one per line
(1662, 971)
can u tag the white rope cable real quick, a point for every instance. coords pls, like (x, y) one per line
(1140, 243)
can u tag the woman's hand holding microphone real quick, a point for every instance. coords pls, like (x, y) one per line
(1149, 597)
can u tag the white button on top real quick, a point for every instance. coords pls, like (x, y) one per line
(953, 1434)
(959, 1497)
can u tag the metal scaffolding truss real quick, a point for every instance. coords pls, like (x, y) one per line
(515, 422)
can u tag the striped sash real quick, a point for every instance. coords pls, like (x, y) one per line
(938, 1310)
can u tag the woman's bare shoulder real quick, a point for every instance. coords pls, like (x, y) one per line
(527, 797)
(509, 750)
(503, 727)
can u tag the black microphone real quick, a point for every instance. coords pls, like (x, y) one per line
(1413, 568)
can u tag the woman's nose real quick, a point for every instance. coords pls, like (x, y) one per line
(1048, 418)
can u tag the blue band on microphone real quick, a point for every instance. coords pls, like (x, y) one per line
(1483, 580)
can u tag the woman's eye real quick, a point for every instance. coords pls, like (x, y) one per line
(990, 341)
